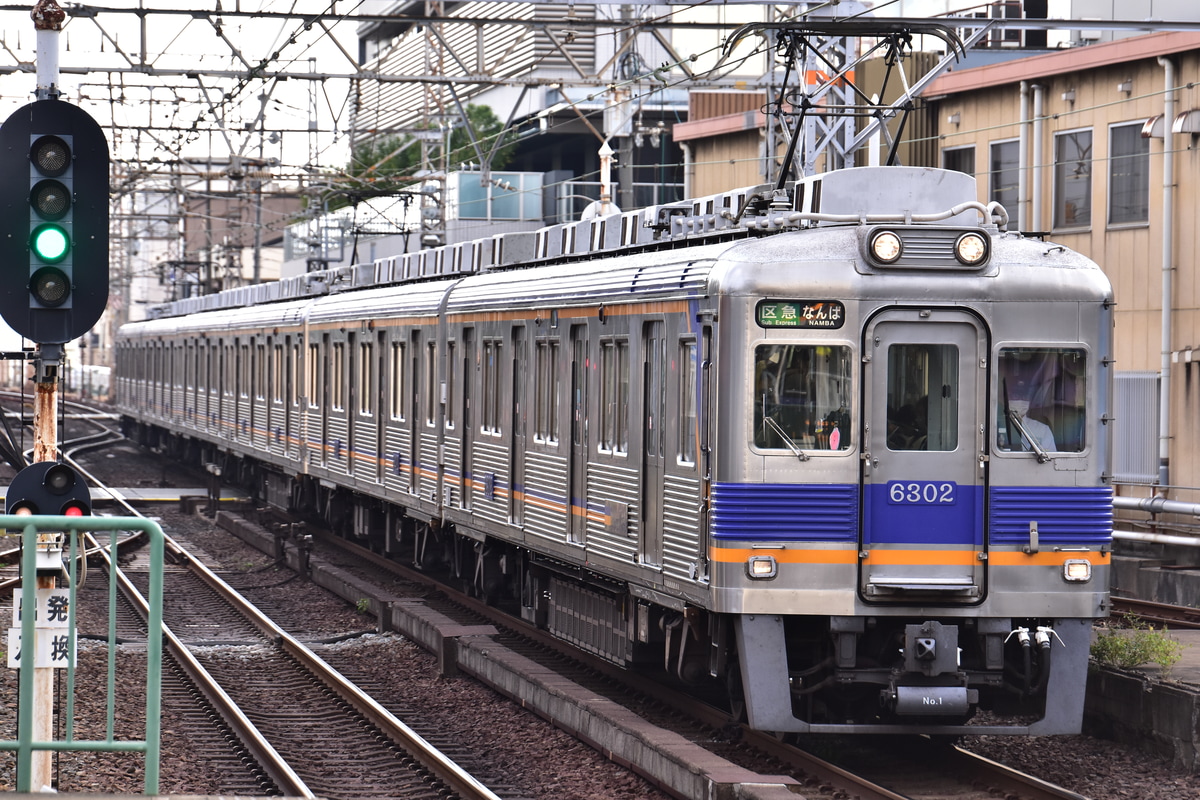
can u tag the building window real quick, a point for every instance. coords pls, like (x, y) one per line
(959, 159)
(1073, 179)
(1128, 175)
(1004, 174)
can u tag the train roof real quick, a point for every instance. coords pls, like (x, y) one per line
(862, 195)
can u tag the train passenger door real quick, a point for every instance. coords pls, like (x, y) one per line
(923, 478)
(577, 501)
(466, 473)
(516, 453)
(654, 410)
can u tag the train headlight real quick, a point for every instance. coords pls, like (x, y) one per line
(886, 247)
(1077, 570)
(971, 249)
(761, 568)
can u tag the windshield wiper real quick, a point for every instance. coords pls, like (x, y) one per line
(795, 448)
(1015, 421)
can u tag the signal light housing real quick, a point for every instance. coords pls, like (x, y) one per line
(48, 488)
(54, 195)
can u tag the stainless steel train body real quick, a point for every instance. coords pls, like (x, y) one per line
(842, 447)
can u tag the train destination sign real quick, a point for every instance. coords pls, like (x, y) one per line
(800, 314)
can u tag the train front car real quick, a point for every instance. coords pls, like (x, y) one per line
(911, 522)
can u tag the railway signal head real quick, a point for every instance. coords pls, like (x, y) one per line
(53, 221)
(50, 488)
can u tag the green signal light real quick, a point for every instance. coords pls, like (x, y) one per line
(50, 243)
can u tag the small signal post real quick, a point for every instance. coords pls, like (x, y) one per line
(54, 264)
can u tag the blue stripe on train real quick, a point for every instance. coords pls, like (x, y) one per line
(785, 512)
(1065, 515)
(829, 512)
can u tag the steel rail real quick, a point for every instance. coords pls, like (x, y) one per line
(286, 779)
(405, 737)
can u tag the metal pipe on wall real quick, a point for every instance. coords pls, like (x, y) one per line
(1039, 123)
(1168, 257)
(1023, 162)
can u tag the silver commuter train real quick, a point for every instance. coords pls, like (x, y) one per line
(840, 446)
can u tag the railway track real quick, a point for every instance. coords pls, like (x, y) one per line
(1158, 613)
(306, 729)
(944, 773)
(926, 770)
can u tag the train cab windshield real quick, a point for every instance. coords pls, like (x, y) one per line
(802, 397)
(1041, 396)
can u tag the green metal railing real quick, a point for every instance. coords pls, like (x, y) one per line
(25, 746)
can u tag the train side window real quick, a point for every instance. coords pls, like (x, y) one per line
(688, 431)
(614, 396)
(922, 397)
(803, 397)
(1041, 397)
(399, 390)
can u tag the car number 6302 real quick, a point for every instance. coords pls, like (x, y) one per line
(925, 493)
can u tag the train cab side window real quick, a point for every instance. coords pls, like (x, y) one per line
(1041, 396)
(802, 397)
(922, 397)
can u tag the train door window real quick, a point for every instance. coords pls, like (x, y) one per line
(243, 371)
(260, 372)
(491, 387)
(546, 398)
(366, 382)
(922, 397)
(313, 368)
(802, 397)
(1073, 179)
(397, 373)
(688, 432)
(449, 393)
(614, 396)
(277, 369)
(1041, 395)
(579, 399)
(337, 376)
(430, 383)
(293, 363)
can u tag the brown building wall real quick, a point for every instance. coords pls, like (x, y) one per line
(1123, 83)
